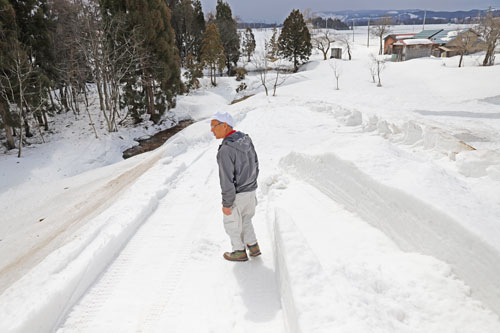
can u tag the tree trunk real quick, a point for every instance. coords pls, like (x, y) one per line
(20, 135)
(381, 48)
(295, 65)
(461, 58)
(44, 115)
(8, 132)
(324, 54)
(487, 57)
(51, 100)
(64, 100)
(99, 92)
(149, 96)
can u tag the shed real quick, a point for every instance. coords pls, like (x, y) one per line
(412, 48)
(389, 40)
(336, 53)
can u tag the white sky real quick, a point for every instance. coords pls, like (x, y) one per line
(277, 10)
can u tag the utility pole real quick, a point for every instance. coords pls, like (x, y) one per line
(368, 39)
(425, 15)
(353, 30)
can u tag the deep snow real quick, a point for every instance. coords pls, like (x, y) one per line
(378, 211)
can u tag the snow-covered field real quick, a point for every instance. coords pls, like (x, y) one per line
(379, 211)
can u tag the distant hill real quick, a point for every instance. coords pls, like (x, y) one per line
(407, 16)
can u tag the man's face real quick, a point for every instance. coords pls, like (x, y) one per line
(218, 129)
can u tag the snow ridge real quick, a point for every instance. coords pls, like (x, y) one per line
(413, 224)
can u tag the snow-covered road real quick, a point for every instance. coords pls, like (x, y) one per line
(324, 267)
(172, 275)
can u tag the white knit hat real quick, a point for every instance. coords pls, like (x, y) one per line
(224, 117)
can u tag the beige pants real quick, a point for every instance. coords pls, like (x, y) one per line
(238, 225)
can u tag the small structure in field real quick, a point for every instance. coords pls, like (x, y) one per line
(449, 43)
(389, 40)
(411, 48)
(336, 53)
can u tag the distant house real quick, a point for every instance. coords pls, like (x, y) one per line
(389, 40)
(448, 43)
(407, 49)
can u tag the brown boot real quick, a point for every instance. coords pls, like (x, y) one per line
(254, 250)
(240, 255)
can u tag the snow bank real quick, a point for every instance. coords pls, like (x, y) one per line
(410, 222)
(50, 289)
(306, 292)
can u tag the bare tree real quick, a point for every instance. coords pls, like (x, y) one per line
(281, 75)
(465, 42)
(380, 28)
(337, 70)
(261, 61)
(378, 64)
(110, 61)
(347, 43)
(489, 28)
(323, 42)
(15, 79)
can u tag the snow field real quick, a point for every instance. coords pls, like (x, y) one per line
(350, 179)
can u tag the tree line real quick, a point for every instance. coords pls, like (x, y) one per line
(55, 53)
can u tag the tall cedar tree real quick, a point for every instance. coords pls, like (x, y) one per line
(8, 36)
(295, 40)
(34, 29)
(188, 23)
(227, 27)
(248, 43)
(157, 81)
(273, 48)
(212, 52)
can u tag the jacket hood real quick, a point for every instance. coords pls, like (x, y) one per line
(239, 141)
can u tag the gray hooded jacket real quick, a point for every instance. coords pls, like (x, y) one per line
(238, 166)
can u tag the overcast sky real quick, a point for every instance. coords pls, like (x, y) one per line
(271, 11)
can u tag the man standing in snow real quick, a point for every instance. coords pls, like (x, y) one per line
(238, 171)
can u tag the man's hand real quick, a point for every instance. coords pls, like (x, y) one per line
(226, 210)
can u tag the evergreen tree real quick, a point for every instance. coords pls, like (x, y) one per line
(273, 47)
(188, 23)
(156, 81)
(227, 27)
(248, 43)
(34, 29)
(295, 40)
(8, 38)
(194, 71)
(212, 52)
(199, 28)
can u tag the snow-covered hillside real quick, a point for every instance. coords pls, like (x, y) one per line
(379, 211)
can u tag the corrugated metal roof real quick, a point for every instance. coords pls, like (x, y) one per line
(446, 36)
(427, 33)
(422, 41)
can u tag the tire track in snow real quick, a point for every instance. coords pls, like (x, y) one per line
(161, 248)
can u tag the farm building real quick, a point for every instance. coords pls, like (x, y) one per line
(411, 48)
(449, 43)
(389, 40)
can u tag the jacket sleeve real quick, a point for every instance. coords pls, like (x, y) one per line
(226, 159)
